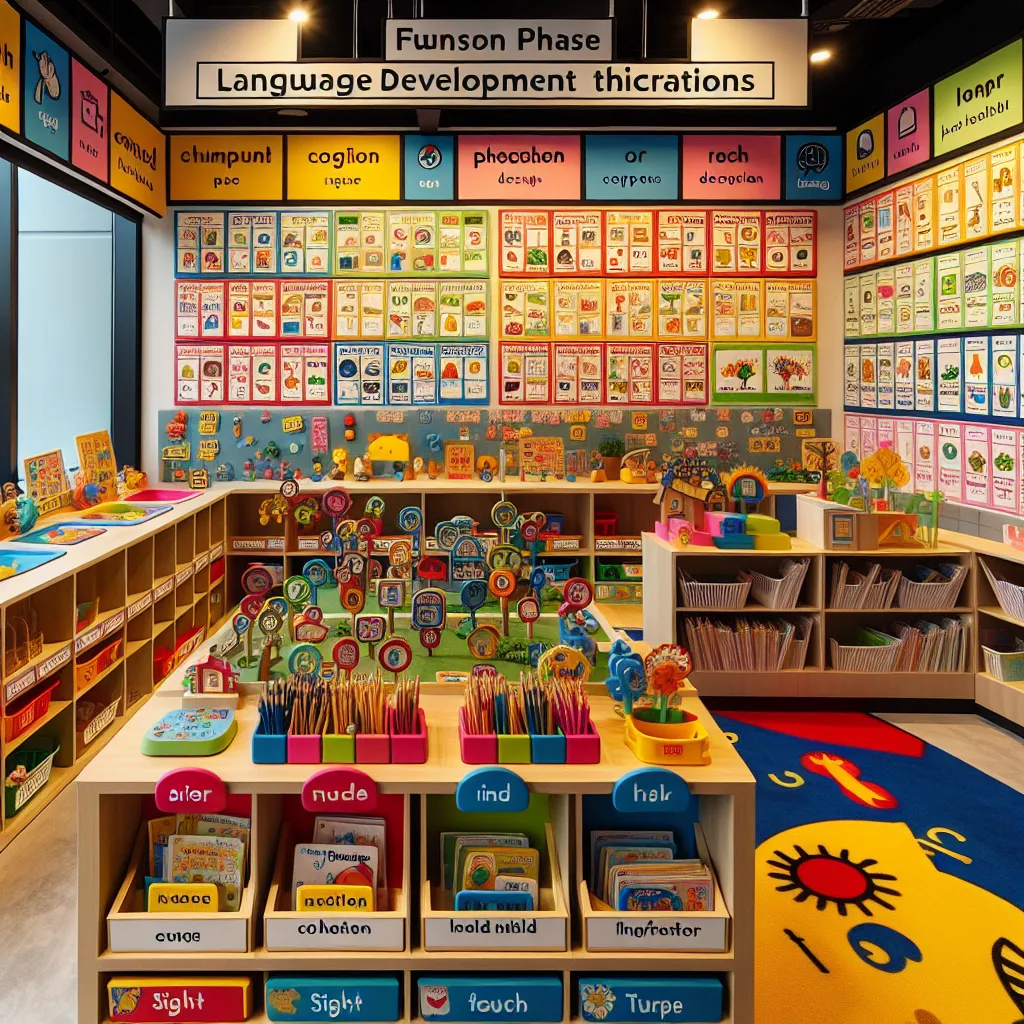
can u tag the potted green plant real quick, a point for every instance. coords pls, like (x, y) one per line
(611, 449)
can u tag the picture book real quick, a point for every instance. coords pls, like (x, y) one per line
(160, 830)
(621, 837)
(452, 841)
(613, 855)
(330, 864)
(500, 869)
(234, 826)
(216, 859)
(353, 831)
(668, 885)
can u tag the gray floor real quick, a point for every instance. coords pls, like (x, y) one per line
(37, 876)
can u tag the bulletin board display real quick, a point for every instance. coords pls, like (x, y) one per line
(752, 374)
(976, 377)
(390, 243)
(973, 289)
(967, 462)
(663, 242)
(665, 308)
(603, 374)
(964, 202)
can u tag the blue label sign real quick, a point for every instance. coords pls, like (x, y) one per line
(522, 997)
(660, 998)
(429, 167)
(492, 789)
(45, 91)
(648, 789)
(632, 167)
(328, 997)
(814, 167)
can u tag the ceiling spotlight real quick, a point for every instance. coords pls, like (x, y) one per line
(820, 56)
(707, 14)
(299, 14)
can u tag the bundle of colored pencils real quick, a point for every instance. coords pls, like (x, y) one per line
(534, 706)
(571, 706)
(405, 706)
(371, 705)
(478, 701)
(342, 707)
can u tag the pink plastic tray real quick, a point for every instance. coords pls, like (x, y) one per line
(156, 494)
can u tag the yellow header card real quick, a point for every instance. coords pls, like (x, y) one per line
(242, 167)
(344, 167)
(10, 67)
(334, 899)
(138, 157)
(183, 898)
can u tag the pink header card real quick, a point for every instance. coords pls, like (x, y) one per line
(519, 168)
(732, 167)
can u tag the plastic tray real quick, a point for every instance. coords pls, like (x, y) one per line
(18, 718)
(23, 559)
(118, 513)
(63, 536)
(161, 496)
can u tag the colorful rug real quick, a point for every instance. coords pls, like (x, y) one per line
(889, 876)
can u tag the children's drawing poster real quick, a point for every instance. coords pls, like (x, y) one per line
(851, 238)
(976, 198)
(97, 462)
(683, 374)
(868, 304)
(525, 242)
(851, 436)
(924, 295)
(790, 372)
(199, 374)
(629, 371)
(868, 436)
(949, 314)
(1005, 283)
(525, 373)
(904, 202)
(739, 374)
(1004, 363)
(924, 384)
(252, 374)
(924, 456)
(683, 241)
(851, 376)
(737, 308)
(305, 242)
(790, 241)
(903, 281)
(904, 377)
(199, 242)
(577, 242)
(412, 374)
(463, 373)
(886, 427)
(977, 287)
(976, 376)
(851, 302)
(1005, 469)
(951, 460)
(359, 374)
(869, 376)
(977, 465)
(579, 374)
(305, 374)
(886, 370)
(949, 365)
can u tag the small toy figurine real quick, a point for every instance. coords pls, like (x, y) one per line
(340, 459)
(318, 467)
(363, 468)
(27, 513)
(350, 427)
(132, 480)
(417, 467)
(271, 450)
(177, 426)
(598, 475)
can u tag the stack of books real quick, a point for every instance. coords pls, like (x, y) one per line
(932, 647)
(746, 645)
(873, 589)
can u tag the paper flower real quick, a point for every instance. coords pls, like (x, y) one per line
(598, 1001)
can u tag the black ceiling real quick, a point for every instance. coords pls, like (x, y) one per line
(876, 60)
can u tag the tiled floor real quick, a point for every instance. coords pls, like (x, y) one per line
(38, 876)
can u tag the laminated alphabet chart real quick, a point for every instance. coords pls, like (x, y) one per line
(964, 202)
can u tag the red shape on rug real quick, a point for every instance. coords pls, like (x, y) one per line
(846, 775)
(848, 728)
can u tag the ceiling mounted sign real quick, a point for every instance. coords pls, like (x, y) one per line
(344, 167)
(519, 167)
(732, 167)
(908, 133)
(230, 167)
(865, 155)
(732, 62)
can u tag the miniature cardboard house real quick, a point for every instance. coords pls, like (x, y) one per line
(213, 676)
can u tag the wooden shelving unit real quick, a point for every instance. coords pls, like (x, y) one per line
(115, 798)
(664, 618)
(123, 569)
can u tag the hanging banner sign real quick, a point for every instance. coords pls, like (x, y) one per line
(519, 167)
(632, 167)
(90, 114)
(907, 139)
(981, 100)
(344, 167)
(440, 39)
(429, 167)
(138, 157)
(732, 167)
(10, 67)
(814, 167)
(240, 167)
(45, 92)
(865, 158)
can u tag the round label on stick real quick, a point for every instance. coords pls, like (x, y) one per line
(395, 655)
(346, 654)
(336, 502)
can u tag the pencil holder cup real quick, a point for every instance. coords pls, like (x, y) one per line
(476, 749)
(547, 749)
(339, 748)
(373, 748)
(304, 749)
(584, 748)
(409, 748)
(513, 749)
(269, 749)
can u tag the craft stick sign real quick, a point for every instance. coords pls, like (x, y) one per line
(339, 789)
(190, 791)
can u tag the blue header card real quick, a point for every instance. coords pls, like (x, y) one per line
(45, 91)
(814, 168)
(492, 789)
(632, 167)
(326, 997)
(429, 167)
(656, 997)
(648, 789)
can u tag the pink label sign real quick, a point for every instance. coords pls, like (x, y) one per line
(524, 168)
(89, 116)
(907, 133)
(190, 791)
(732, 166)
(339, 789)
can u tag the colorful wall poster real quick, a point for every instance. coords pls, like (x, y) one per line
(737, 242)
(682, 308)
(976, 197)
(925, 478)
(738, 308)
(865, 156)
(1005, 177)
(977, 465)
(579, 374)
(977, 287)
(226, 168)
(629, 308)
(790, 372)
(977, 378)
(1005, 470)
(903, 282)
(10, 67)
(1005, 375)
(886, 375)
(359, 374)
(305, 374)
(629, 242)
(525, 309)
(851, 376)
(344, 168)
(868, 303)
(949, 439)
(359, 309)
(903, 203)
(138, 157)
(525, 241)
(924, 214)
(924, 295)
(978, 101)
(851, 237)
(908, 133)
(305, 242)
(949, 198)
(359, 239)
(579, 307)
(949, 313)
(199, 371)
(868, 228)
(851, 305)
(885, 299)
(683, 374)
(683, 241)
(46, 88)
(737, 167)
(868, 436)
(886, 218)
(869, 376)
(252, 309)
(303, 309)
(632, 167)
(577, 248)
(90, 115)
(412, 374)
(96, 460)
(252, 374)
(904, 377)
(886, 427)
(519, 168)
(429, 164)
(814, 167)
(950, 375)
(739, 374)
(851, 433)
(463, 373)
(525, 373)
(1005, 283)
(629, 372)
(790, 241)
(924, 384)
